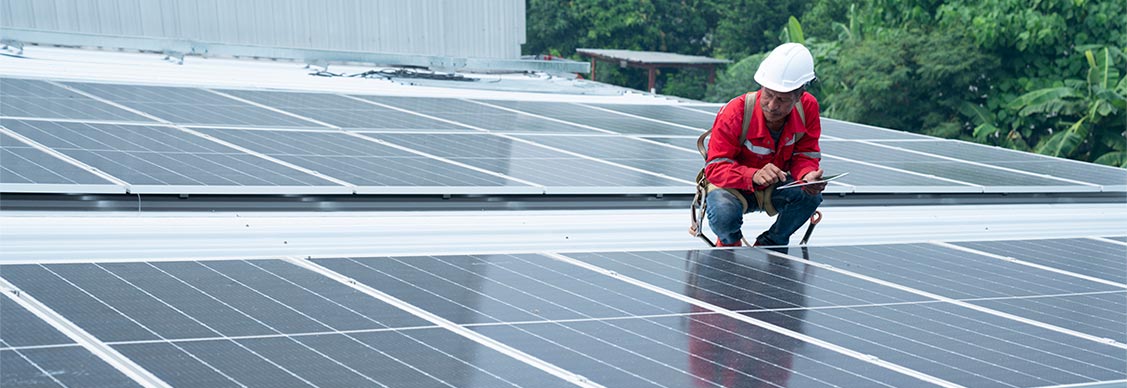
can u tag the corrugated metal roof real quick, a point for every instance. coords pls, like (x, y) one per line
(650, 57)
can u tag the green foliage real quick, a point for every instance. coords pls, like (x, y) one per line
(1043, 75)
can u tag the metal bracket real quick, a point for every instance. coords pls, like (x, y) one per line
(174, 56)
(9, 44)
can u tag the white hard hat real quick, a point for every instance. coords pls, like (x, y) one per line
(787, 68)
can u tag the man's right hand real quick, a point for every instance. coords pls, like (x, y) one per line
(767, 175)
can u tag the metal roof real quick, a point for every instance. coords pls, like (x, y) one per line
(650, 57)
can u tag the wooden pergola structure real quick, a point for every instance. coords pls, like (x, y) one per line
(651, 61)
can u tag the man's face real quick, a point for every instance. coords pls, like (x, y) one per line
(776, 105)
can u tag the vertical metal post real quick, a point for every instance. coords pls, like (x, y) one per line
(652, 70)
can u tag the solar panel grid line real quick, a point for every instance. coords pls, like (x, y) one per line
(69, 160)
(518, 326)
(398, 330)
(594, 159)
(235, 281)
(971, 186)
(759, 323)
(1108, 240)
(1048, 157)
(82, 337)
(273, 109)
(84, 121)
(1030, 264)
(872, 127)
(1095, 384)
(638, 117)
(647, 317)
(42, 372)
(631, 351)
(959, 303)
(542, 117)
(514, 138)
(691, 109)
(350, 186)
(420, 114)
(446, 324)
(266, 129)
(1020, 172)
(444, 160)
(45, 99)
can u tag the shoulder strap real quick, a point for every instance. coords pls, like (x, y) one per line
(749, 106)
(801, 111)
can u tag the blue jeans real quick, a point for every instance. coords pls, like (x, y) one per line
(725, 215)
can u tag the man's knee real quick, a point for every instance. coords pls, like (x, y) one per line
(724, 208)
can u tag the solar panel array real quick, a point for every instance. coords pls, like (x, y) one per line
(989, 313)
(75, 137)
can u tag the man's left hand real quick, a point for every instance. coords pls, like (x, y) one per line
(815, 188)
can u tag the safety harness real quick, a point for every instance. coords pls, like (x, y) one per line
(762, 197)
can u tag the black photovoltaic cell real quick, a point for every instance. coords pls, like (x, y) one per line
(24, 164)
(344, 112)
(525, 161)
(966, 347)
(745, 279)
(865, 176)
(69, 366)
(40, 99)
(175, 319)
(669, 113)
(158, 155)
(925, 164)
(1100, 314)
(596, 118)
(358, 161)
(690, 351)
(1079, 255)
(853, 131)
(613, 333)
(1024, 161)
(191, 106)
(478, 115)
(951, 273)
(631, 152)
(22, 328)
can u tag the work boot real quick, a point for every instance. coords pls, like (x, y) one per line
(719, 243)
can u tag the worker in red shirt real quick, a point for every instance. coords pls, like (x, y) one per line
(781, 146)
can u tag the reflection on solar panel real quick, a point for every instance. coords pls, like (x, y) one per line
(560, 172)
(883, 315)
(344, 112)
(40, 99)
(191, 106)
(633, 152)
(375, 167)
(479, 115)
(609, 121)
(159, 158)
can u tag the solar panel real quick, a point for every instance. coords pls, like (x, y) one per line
(609, 121)
(669, 113)
(479, 115)
(945, 340)
(34, 353)
(26, 168)
(589, 324)
(633, 152)
(1063, 168)
(261, 323)
(191, 106)
(375, 168)
(559, 172)
(41, 99)
(345, 112)
(994, 179)
(165, 159)
(868, 178)
(1083, 256)
(846, 130)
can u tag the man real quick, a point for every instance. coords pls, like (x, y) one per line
(781, 146)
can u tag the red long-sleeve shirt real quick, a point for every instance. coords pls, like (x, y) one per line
(732, 165)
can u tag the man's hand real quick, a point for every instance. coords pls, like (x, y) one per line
(813, 176)
(769, 174)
